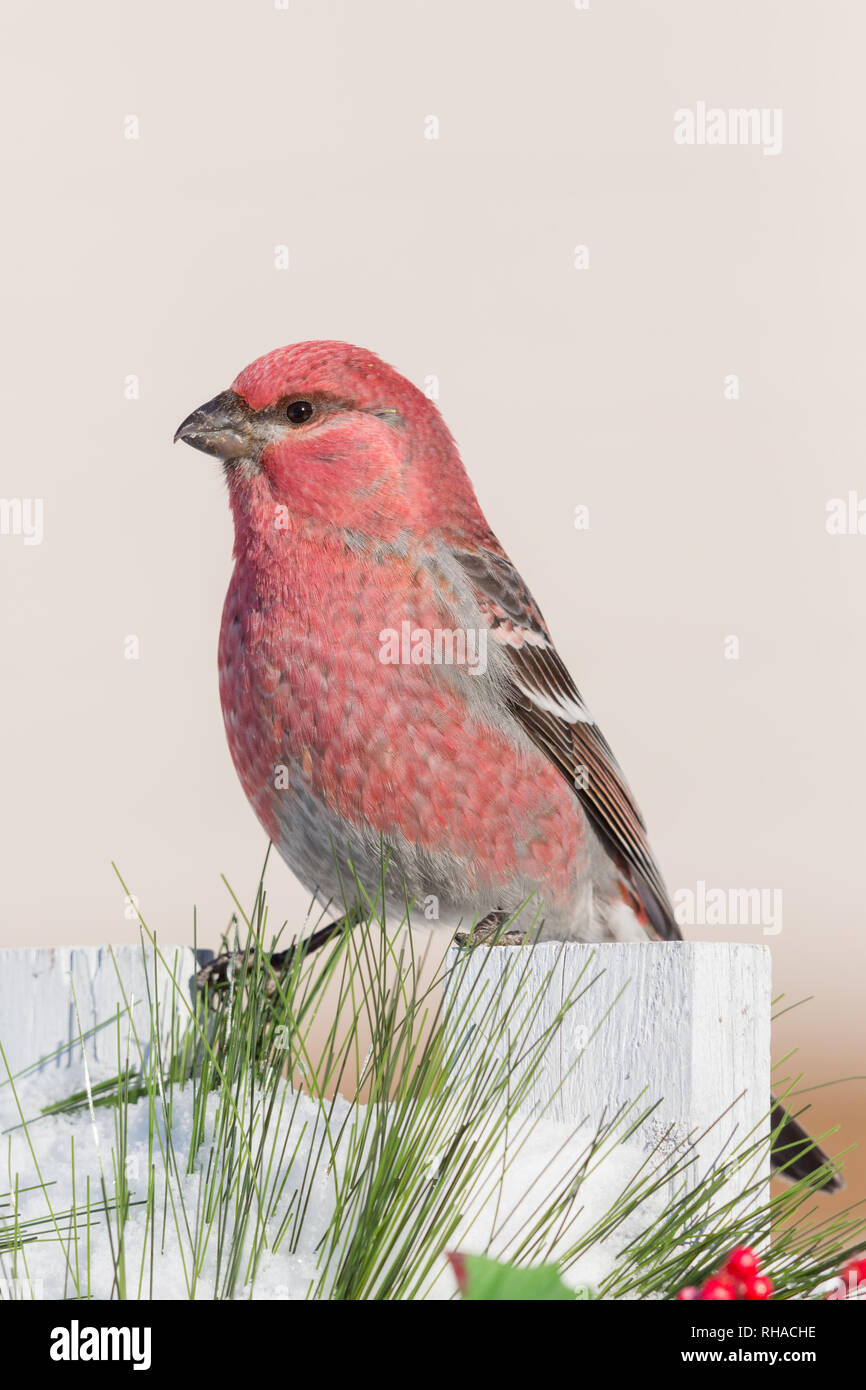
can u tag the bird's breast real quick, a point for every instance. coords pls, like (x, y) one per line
(329, 696)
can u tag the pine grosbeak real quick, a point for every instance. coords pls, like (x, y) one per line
(388, 683)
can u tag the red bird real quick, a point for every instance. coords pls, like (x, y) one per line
(389, 685)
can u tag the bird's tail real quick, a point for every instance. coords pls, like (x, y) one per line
(795, 1153)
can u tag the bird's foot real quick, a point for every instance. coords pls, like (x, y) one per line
(223, 970)
(488, 932)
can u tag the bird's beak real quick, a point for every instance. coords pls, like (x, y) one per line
(222, 427)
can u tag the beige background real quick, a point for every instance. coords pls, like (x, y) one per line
(453, 257)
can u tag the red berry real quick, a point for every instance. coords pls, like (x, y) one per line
(757, 1289)
(742, 1263)
(689, 1292)
(854, 1274)
(718, 1287)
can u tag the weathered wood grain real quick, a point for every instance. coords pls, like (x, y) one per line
(39, 989)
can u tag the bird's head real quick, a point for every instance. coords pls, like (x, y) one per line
(331, 435)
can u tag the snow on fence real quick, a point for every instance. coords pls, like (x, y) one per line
(686, 1025)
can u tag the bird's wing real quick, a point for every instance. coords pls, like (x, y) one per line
(546, 702)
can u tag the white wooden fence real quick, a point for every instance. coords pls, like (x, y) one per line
(41, 988)
(686, 1025)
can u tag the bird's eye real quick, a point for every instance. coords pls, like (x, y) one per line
(299, 412)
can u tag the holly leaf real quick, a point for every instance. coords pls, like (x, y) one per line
(480, 1278)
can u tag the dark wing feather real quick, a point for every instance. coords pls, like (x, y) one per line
(547, 703)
